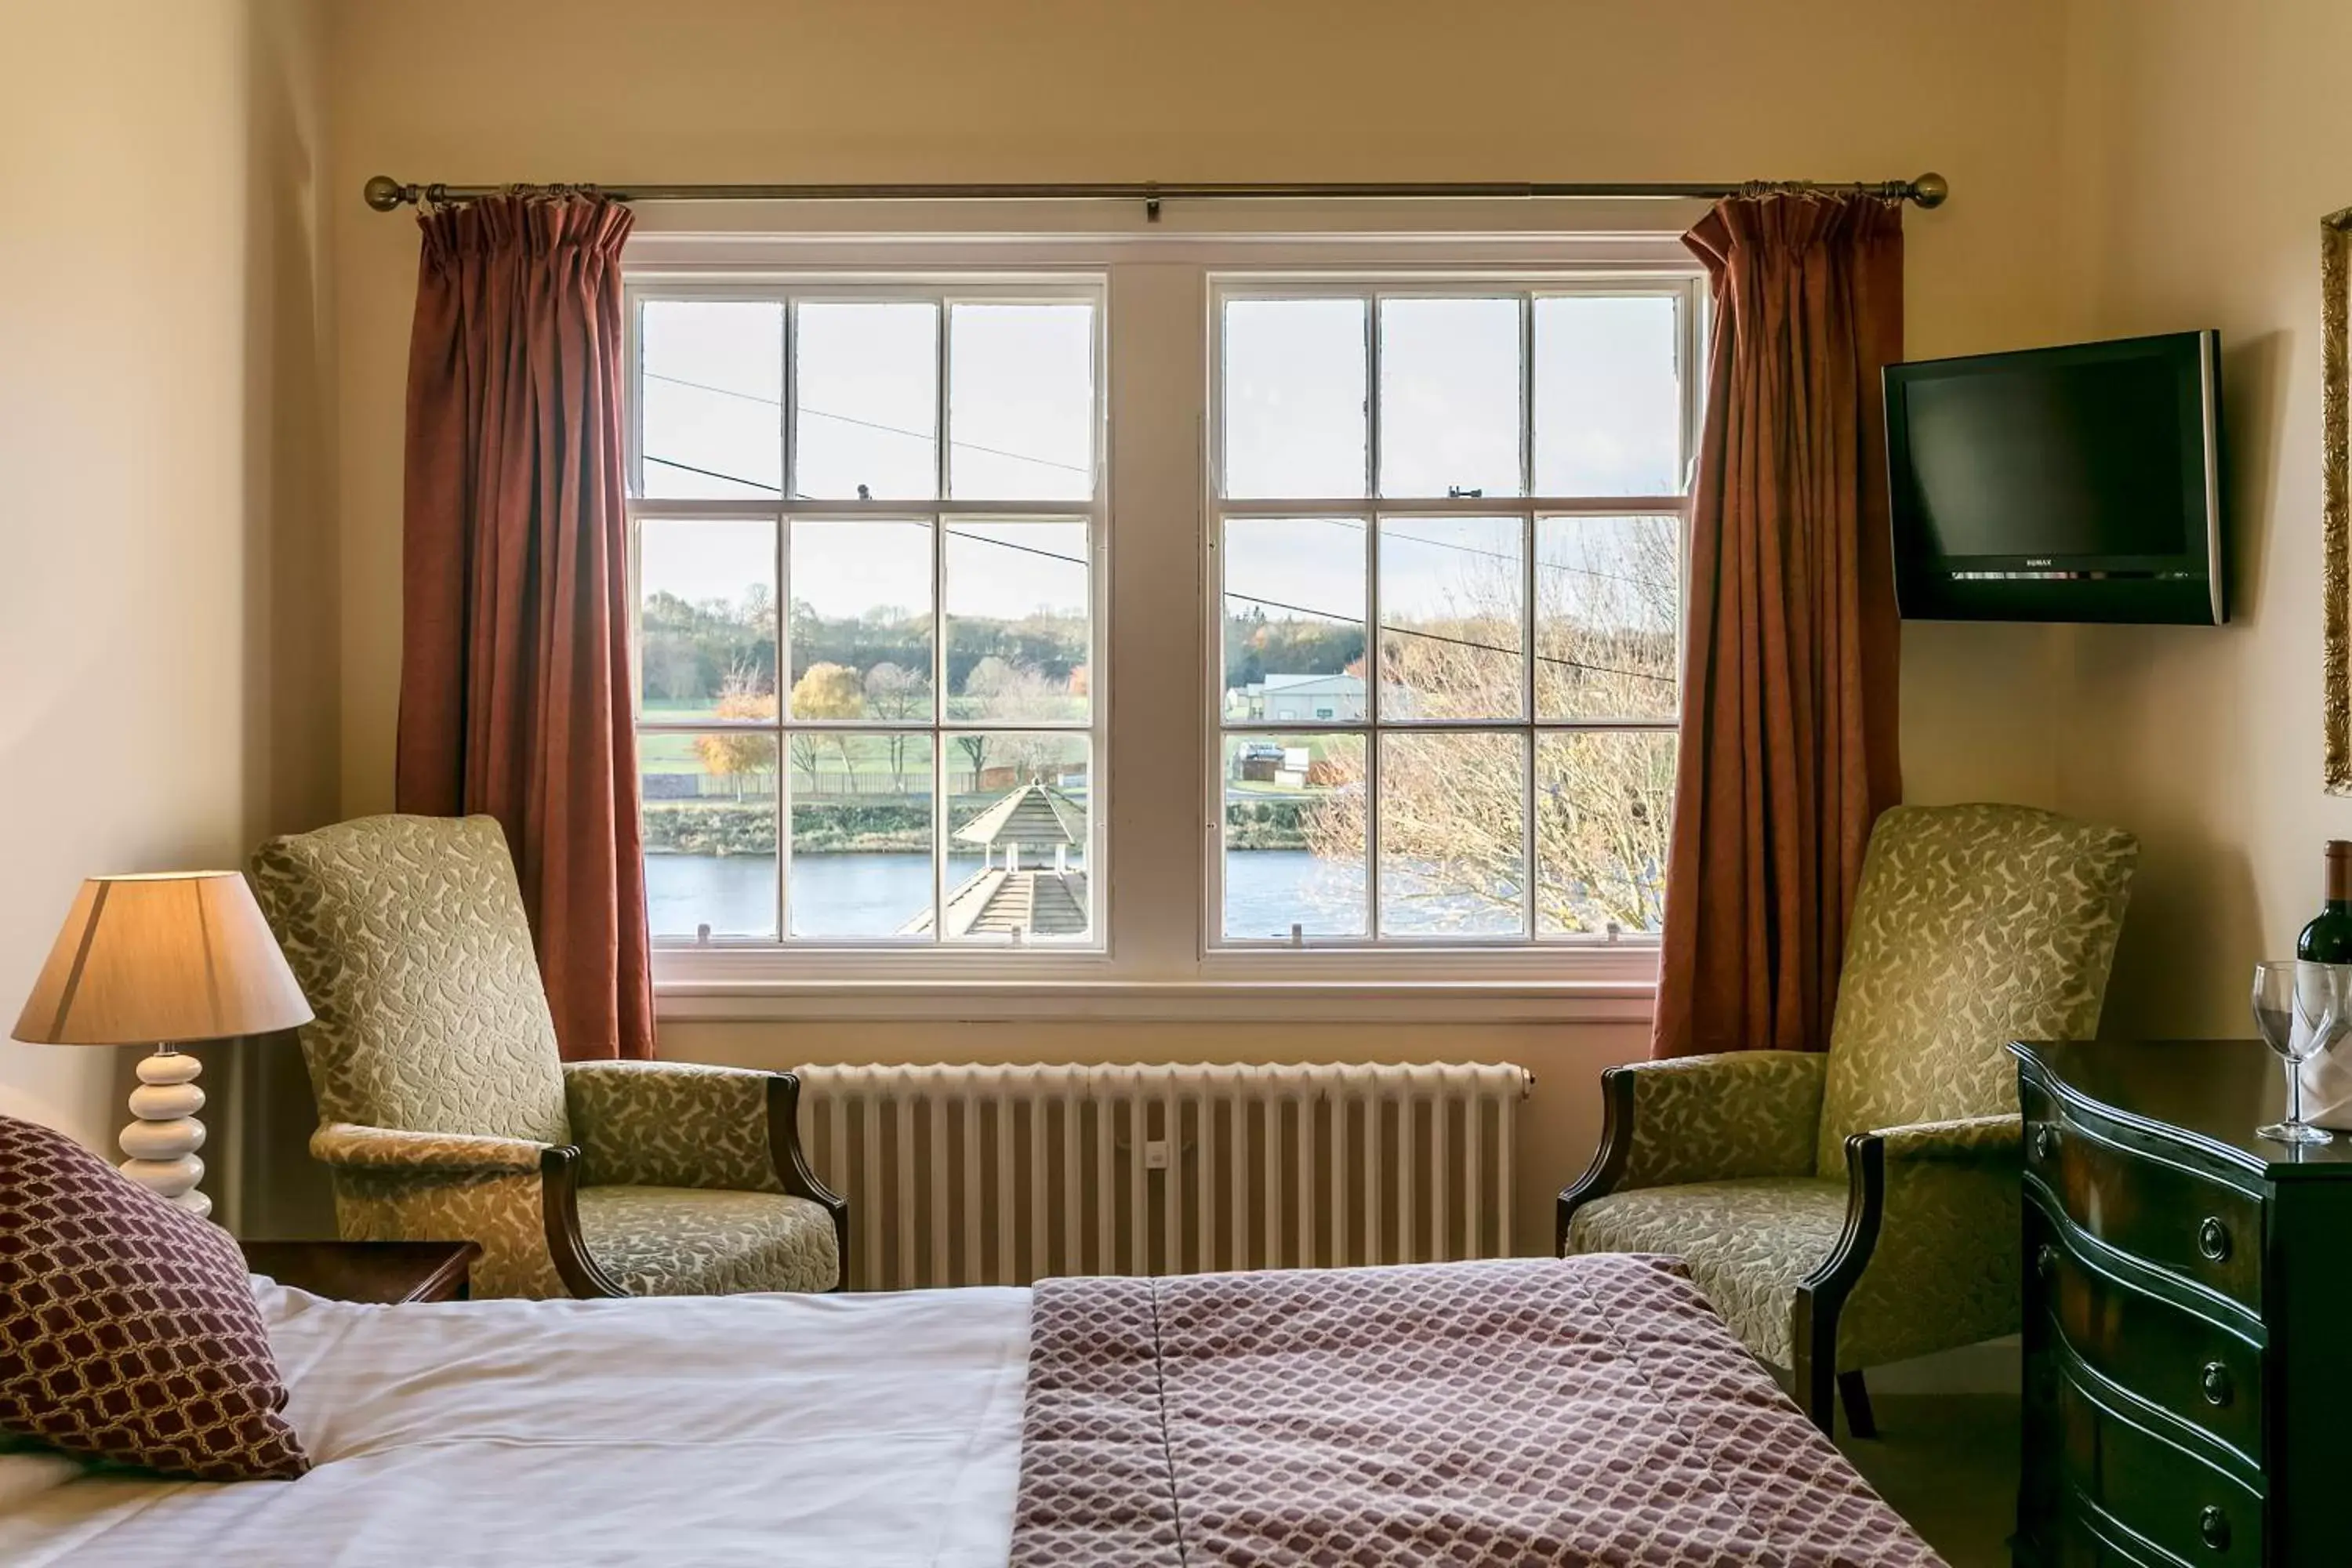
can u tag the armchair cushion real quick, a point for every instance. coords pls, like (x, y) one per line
(1746, 1243)
(343, 1146)
(503, 1208)
(408, 936)
(1983, 1139)
(678, 1241)
(1973, 925)
(1722, 1117)
(672, 1124)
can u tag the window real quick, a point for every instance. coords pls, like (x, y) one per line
(867, 522)
(1447, 566)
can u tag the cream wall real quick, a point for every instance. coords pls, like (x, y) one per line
(161, 373)
(2210, 139)
(1045, 89)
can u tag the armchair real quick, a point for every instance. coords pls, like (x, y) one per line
(1859, 1207)
(446, 1114)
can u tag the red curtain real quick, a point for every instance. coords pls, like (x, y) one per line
(1789, 704)
(514, 694)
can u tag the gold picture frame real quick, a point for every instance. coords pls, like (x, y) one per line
(2335, 517)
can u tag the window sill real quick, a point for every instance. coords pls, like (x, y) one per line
(1617, 999)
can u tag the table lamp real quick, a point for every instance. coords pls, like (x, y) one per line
(160, 960)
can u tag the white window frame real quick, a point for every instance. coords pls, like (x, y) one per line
(1159, 960)
(1527, 508)
(791, 290)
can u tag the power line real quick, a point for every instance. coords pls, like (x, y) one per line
(715, 474)
(1390, 532)
(868, 424)
(1024, 549)
(1458, 642)
(1255, 599)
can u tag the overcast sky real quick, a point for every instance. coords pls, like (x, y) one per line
(1022, 429)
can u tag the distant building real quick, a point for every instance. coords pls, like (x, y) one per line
(1009, 896)
(1307, 699)
(1312, 699)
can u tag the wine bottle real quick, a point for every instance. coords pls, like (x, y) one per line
(2329, 938)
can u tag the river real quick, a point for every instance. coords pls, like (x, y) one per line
(874, 895)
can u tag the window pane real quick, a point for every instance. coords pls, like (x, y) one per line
(1452, 810)
(710, 832)
(1294, 390)
(1603, 801)
(1449, 397)
(1017, 836)
(710, 392)
(861, 834)
(1451, 588)
(1021, 401)
(866, 410)
(861, 625)
(1294, 835)
(1608, 400)
(1017, 627)
(1294, 620)
(1607, 616)
(706, 617)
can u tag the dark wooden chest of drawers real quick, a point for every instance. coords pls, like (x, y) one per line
(2188, 1314)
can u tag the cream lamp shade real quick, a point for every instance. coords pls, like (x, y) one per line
(155, 960)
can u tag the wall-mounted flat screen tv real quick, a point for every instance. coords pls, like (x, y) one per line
(2067, 484)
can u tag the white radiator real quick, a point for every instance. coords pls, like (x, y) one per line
(978, 1174)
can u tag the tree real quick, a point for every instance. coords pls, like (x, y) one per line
(1452, 804)
(732, 754)
(975, 752)
(827, 691)
(998, 689)
(898, 695)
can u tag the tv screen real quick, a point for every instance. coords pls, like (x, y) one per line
(2079, 460)
(2089, 465)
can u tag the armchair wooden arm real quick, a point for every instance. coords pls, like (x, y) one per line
(793, 1166)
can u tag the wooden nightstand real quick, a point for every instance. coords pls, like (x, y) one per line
(368, 1270)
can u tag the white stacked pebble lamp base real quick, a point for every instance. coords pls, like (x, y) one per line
(163, 1142)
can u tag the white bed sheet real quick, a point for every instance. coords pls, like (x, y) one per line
(848, 1431)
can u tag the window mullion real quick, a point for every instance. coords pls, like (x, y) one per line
(1375, 677)
(1528, 743)
(941, 796)
(786, 458)
(1528, 616)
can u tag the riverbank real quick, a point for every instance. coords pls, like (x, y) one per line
(726, 828)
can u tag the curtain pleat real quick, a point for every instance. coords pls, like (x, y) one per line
(1788, 708)
(514, 697)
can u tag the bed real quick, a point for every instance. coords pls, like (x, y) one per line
(1588, 1410)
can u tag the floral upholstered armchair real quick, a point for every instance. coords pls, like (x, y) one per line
(446, 1113)
(1847, 1209)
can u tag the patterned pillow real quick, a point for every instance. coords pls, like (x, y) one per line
(127, 1329)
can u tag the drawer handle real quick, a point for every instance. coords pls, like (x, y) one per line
(2213, 1527)
(2215, 1381)
(2045, 1143)
(2213, 1240)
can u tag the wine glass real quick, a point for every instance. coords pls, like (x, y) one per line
(2300, 1008)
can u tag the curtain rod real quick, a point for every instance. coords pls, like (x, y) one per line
(385, 194)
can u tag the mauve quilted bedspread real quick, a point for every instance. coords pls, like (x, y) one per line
(1586, 1410)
